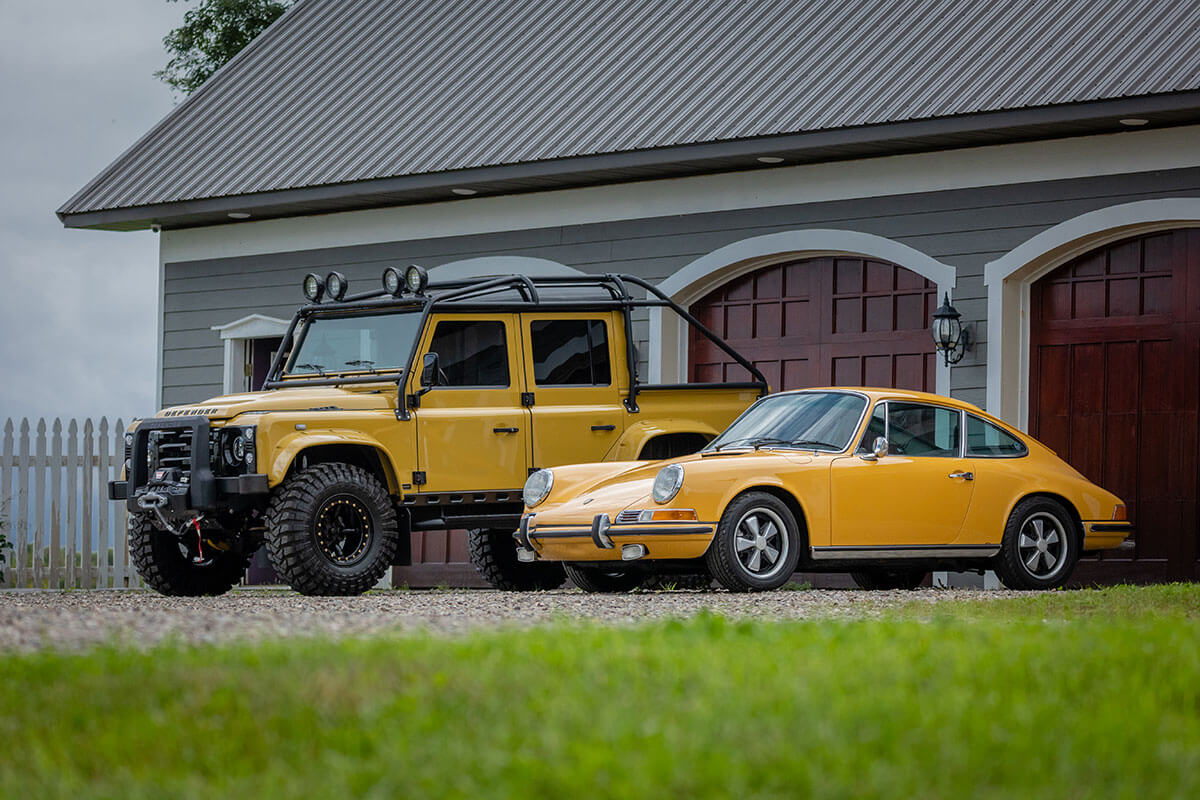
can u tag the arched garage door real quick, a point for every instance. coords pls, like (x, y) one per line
(819, 322)
(1115, 388)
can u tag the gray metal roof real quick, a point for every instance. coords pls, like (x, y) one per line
(344, 91)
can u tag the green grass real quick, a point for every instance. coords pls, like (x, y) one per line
(1046, 696)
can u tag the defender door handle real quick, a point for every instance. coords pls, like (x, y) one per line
(506, 430)
(966, 476)
(604, 427)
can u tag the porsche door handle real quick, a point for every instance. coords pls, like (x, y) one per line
(506, 430)
(966, 476)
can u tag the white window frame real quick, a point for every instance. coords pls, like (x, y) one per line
(234, 336)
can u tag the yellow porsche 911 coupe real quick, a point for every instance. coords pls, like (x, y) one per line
(881, 483)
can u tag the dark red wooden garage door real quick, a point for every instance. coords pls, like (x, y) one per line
(1115, 389)
(821, 321)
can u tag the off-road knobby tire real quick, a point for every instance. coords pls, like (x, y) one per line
(166, 570)
(606, 580)
(494, 554)
(1007, 563)
(292, 537)
(722, 557)
(670, 581)
(889, 579)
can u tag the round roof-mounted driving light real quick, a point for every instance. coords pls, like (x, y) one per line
(416, 278)
(314, 290)
(537, 487)
(336, 285)
(667, 483)
(393, 284)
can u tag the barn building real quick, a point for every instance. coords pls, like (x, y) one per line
(810, 178)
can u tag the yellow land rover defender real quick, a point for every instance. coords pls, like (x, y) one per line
(349, 448)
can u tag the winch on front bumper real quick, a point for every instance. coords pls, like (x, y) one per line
(169, 467)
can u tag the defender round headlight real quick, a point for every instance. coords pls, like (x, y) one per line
(667, 483)
(538, 487)
(416, 278)
(314, 290)
(239, 448)
(392, 282)
(336, 285)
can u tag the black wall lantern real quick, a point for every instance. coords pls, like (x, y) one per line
(949, 336)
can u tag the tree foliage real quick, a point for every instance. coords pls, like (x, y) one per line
(213, 32)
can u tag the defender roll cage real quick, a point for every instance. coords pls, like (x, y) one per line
(469, 296)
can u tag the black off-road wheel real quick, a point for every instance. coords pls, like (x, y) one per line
(331, 530)
(757, 545)
(176, 566)
(889, 579)
(494, 554)
(1040, 547)
(606, 580)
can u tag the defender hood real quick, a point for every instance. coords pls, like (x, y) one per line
(355, 397)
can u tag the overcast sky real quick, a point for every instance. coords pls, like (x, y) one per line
(77, 308)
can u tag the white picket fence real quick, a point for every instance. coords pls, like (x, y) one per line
(65, 532)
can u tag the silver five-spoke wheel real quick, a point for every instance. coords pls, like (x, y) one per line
(761, 544)
(1042, 544)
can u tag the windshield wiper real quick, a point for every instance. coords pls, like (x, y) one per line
(366, 363)
(815, 443)
(751, 441)
(318, 368)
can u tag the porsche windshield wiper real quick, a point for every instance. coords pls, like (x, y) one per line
(751, 441)
(815, 443)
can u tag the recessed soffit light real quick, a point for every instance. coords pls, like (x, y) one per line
(1134, 122)
(770, 160)
(465, 192)
(239, 215)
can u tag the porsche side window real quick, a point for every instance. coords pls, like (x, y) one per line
(986, 440)
(570, 352)
(875, 428)
(471, 353)
(915, 429)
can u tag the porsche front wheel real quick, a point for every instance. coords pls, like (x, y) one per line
(1040, 546)
(757, 545)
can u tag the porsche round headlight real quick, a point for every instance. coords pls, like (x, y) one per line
(667, 483)
(538, 487)
(314, 289)
(392, 282)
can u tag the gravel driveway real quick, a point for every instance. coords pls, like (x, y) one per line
(71, 620)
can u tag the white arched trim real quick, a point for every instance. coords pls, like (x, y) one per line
(668, 342)
(500, 265)
(1009, 278)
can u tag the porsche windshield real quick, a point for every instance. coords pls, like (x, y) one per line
(808, 421)
(359, 343)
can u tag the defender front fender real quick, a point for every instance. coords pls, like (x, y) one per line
(635, 437)
(285, 452)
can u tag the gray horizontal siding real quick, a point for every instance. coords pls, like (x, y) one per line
(964, 228)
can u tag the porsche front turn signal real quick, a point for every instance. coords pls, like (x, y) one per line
(1119, 512)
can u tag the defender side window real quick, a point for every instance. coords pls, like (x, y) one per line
(570, 352)
(915, 429)
(989, 441)
(471, 352)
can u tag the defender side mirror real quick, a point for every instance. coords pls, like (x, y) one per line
(431, 373)
(879, 449)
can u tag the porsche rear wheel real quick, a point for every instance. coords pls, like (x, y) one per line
(605, 580)
(889, 579)
(757, 545)
(1040, 546)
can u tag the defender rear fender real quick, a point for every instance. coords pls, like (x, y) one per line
(672, 432)
(309, 448)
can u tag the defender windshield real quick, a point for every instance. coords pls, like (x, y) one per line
(359, 343)
(806, 421)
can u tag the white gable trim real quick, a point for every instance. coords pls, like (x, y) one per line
(235, 335)
(1009, 278)
(668, 342)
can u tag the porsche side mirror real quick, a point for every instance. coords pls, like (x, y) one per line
(879, 449)
(430, 371)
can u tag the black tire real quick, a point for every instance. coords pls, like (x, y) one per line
(765, 521)
(889, 579)
(166, 565)
(319, 514)
(494, 554)
(671, 581)
(605, 580)
(1040, 547)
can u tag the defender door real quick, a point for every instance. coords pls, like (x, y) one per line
(571, 371)
(472, 430)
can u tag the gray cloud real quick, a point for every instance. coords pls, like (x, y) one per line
(77, 308)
